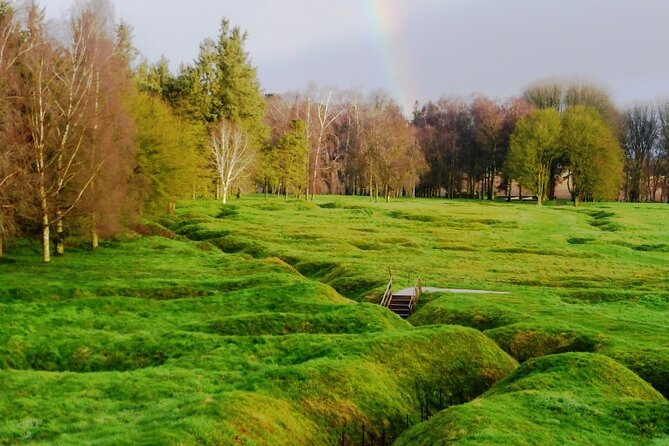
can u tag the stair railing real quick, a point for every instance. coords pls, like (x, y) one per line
(388, 293)
(417, 291)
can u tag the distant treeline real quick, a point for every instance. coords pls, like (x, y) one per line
(94, 137)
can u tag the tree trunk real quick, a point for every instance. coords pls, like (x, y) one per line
(225, 193)
(509, 185)
(2, 238)
(46, 247)
(553, 171)
(95, 241)
(313, 180)
(44, 207)
(60, 236)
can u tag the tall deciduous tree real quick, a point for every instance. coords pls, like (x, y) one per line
(488, 122)
(534, 146)
(319, 110)
(559, 95)
(640, 136)
(39, 78)
(663, 152)
(445, 136)
(75, 121)
(108, 152)
(12, 47)
(288, 159)
(169, 165)
(593, 154)
(74, 105)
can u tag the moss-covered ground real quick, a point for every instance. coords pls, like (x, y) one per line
(255, 323)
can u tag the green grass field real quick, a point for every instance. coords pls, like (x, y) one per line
(256, 323)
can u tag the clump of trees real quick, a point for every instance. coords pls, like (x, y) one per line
(355, 144)
(91, 140)
(580, 140)
(534, 147)
(465, 145)
(646, 143)
(64, 138)
(567, 133)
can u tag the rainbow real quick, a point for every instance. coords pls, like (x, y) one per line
(385, 19)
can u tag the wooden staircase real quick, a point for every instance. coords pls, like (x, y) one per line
(403, 302)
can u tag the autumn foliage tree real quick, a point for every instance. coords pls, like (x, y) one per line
(388, 151)
(66, 119)
(12, 46)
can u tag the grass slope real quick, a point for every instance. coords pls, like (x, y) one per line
(250, 324)
(592, 278)
(571, 398)
(162, 341)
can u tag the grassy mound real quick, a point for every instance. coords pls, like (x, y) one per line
(360, 318)
(573, 398)
(323, 387)
(590, 376)
(191, 345)
(234, 324)
(347, 281)
(533, 339)
(652, 364)
(466, 310)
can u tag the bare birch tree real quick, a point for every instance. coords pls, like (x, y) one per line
(51, 165)
(72, 95)
(231, 155)
(326, 115)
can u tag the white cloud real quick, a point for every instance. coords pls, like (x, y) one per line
(442, 46)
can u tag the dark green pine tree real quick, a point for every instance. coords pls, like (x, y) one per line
(221, 84)
(238, 90)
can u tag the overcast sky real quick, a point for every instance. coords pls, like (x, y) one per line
(421, 49)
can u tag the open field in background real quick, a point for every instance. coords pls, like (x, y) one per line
(254, 323)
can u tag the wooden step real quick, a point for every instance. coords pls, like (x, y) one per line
(403, 300)
(400, 310)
